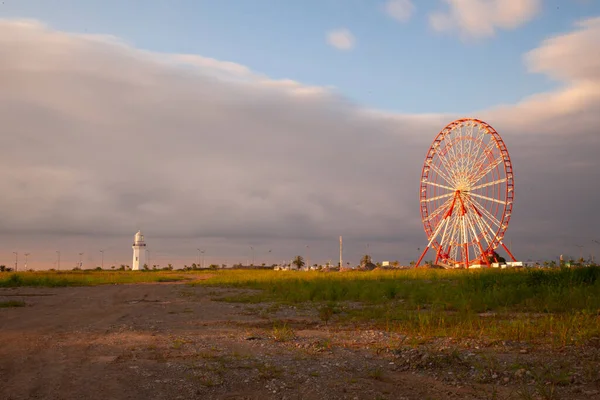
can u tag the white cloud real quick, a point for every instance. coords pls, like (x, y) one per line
(100, 138)
(341, 39)
(400, 10)
(481, 18)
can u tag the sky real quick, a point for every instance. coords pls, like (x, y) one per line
(266, 129)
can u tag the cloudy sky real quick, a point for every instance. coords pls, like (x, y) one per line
(226, 125)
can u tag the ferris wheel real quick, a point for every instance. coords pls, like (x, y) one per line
(466, 194)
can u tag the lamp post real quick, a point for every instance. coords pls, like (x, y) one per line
(102, 259)
(26, 255)
(202, 252)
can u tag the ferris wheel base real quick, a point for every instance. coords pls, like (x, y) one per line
(471, 264)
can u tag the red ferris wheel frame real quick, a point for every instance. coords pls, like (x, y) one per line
(478, 190)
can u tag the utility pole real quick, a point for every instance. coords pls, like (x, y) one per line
(16, 260)
(102, 262)
(580, 251)
(341, 263)
(202, 252)
(58, 260)
(199, 257)
(26, 254)
(307, 258)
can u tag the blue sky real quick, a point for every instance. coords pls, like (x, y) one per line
(402, 67)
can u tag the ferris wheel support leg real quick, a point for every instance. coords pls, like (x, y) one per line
(421, 258)
(437, 231)
(483, 256)
(508, 252)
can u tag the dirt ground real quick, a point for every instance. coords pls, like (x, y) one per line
(173, 341)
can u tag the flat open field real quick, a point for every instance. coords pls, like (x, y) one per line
(295, 335)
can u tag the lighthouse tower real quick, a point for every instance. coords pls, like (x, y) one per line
(138, 244)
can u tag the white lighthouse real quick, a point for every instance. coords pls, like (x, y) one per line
(138, 244)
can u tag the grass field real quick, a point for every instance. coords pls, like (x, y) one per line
(85, 278)
(557, 307)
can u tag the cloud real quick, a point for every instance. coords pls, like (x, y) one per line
(99, 139)
(400, 10)
(481, 18)
(341, 39)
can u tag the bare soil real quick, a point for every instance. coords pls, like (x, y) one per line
(173, 341)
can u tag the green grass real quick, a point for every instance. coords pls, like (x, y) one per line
(558, 307)
(11, 304)
(85, 278)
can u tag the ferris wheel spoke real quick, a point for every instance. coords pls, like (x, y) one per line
(441, 209)
(442, 241)
(441, 174)
(480, 196)
(478, 247)
(482, 173)
(443, 196)
(485, 233)
(496, 182)
(482, 158)
(487, 214)
(440, 186)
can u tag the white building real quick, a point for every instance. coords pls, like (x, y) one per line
(138, 246)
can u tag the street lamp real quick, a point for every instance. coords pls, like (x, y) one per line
(102, 262)
(16, 260)
(202, 252)
(26, 254)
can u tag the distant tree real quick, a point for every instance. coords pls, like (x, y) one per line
(495, 256)
(112, 267)
(170, 267)
(412, 263)
(2, 268)
(395, 263)
(145, 267)
(223, 265)
(366, 259)
(299, 262)
(213, 266)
